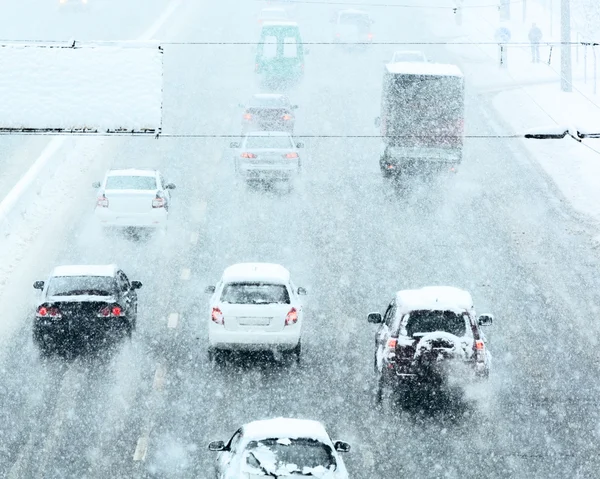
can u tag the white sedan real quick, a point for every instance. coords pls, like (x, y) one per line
(255, 306)
(133, 198)
(267, 155)
(280, 447)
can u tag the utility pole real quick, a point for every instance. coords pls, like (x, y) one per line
(565, 48)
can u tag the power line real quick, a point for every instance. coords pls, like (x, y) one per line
(395, 5)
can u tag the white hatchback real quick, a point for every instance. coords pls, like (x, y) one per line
(133, 198)
(255, 306)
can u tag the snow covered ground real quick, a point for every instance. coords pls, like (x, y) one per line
(528, 95)
(85, 86)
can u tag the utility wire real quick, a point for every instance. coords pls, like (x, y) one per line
(395, 5)
(4, 43)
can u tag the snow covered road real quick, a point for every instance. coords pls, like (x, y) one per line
(495, 229)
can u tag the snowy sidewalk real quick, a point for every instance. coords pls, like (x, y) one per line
(528, 95)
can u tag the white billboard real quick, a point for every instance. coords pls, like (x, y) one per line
(94, 87)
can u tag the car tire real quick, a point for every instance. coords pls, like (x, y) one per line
(378, 399)
(298, 352)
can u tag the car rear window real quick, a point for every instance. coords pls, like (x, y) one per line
(290, 47)
(279, 142)
(430, 321)
(82, 285)
(269, 49)
(355, 19)
(131, 183)
(255, 293)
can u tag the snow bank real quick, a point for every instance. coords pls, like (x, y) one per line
(104, 87)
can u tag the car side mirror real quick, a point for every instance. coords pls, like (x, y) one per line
(377, 122)
(96, 184)
(299, 145)
(169, 186)
(486, 320)
(375, 318)
(136, 284)
(341, 446)
(234, 144)
(301, 291)
(216, 446)
(209, 289)
(38, 285)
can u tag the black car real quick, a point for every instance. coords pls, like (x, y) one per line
(84, 306)
(425, 336)
(268, 112)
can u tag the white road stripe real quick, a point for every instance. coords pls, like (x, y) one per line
(194, 237)
(159, 377)
(141, 448)
(160, 21)
(173, 320)
(186, 273)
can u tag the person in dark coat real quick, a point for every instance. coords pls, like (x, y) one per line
(535, 35)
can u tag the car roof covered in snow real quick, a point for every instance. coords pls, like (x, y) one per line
(422, 68)
(244, 272)
(85, 270)
(279, 23)
(268, 133)
(132, 172)
(280, 428)
(275, 9)
(435, 298)
(352, 11)
(268, 96)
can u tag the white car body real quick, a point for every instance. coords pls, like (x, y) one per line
(352, 26)
(267, 155)
(232, 461)
(408, 56)
(255, 326)
(129, 198)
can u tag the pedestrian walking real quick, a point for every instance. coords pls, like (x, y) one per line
(535, 35)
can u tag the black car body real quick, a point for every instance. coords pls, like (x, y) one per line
(268, 112)
(84, 306)
(427, 334)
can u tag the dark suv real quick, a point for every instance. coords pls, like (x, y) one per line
(82, 306)
(427, 334)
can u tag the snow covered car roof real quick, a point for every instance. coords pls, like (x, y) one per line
(132, 172)
(434, 298)
(286, 428)
(279, 23)
(353, 11)
(268, 96)
(268, 133)
(242, 272)
(85, 270)
(421, 68)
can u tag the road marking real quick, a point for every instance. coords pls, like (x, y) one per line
(159, 377)
(160, 21)
(141, 448)
(194, 237)
(186, 273)
(173, 320)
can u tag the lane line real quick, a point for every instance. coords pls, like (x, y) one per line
(173, 320)
(186, 273)
(160, 21)
(160, 376)
(194, 237)
(141, 448)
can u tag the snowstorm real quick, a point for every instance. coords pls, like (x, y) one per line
(328, 239)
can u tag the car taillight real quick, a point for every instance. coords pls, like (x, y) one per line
(370, 36)
(48, 312)
(291, 155)
(247, 116)
(337, 35)
(158, 202)
(480, 349)
(248, 155)
(460, 125)
(292, 317)
(102, 202)
(392, 343)
(287, 117)
(113, 311)
(256, 67)
(217, 316)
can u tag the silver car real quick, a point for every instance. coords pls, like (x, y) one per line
(267, 155)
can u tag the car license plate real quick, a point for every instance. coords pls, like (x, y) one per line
(254, 321)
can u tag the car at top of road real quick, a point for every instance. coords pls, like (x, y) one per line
(424, 330)
(83, 305)
(280, 53)
(268, 111)
(267, 155)
(255, 306)
(272, 14)
(280, 447)
(408, 56)
(73, 4)
(352, 26)
(133, 198)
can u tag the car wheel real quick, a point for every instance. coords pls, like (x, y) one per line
(379, 391)
(298, 352)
